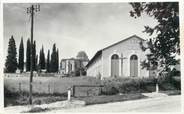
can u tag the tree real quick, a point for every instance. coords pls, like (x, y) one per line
(28, 55)
(57, 65)
(42, 59)
(82, 55)
(21, 56)
(36, 62)
(164, 48)
(34, 56)
(48, 61)
(53, 63)
(11, 60)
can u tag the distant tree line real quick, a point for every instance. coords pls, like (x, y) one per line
(49, 64)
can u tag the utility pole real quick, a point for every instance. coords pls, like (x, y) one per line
(31, 10)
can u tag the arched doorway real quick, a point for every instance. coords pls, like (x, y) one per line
(115, 65)
(133, 65)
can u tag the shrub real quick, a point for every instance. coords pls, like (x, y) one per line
(37, 109)
(175, 78)
(77, 73)
(176, 81)
(128, 85)
(72, 74)
(84, 73)
(109, 90)
(167, 81)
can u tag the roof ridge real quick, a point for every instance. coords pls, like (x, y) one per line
(123, 40)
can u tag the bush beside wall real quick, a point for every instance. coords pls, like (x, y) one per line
(128, 85)
(139, 85)
(170, 81)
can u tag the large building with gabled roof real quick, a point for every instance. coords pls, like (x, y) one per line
(119, 59)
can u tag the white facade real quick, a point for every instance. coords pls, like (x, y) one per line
(71, 65)
(67, 66)
(102, 62)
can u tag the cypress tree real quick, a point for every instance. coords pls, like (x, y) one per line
(42, 59)
(34, 56)
(36, 62)
(48, 61)
(57, 65)
(54, 59)
(11, 60)
(21, 56)
(28, 55)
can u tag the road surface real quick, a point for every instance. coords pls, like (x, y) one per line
(158, 104)
(153, 104)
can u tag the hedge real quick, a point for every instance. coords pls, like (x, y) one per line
(128, 85)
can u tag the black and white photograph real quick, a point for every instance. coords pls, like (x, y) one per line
(91, 57)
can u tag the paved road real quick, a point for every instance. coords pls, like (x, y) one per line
(158, 104)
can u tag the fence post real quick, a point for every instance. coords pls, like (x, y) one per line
(157, 88)
(40, 86)
(69, 94)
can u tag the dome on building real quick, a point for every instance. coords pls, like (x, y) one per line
(82, 56)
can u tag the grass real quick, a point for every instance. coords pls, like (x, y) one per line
(110, 98)
(50, 89)
(22, 98)
(171, 92)
(45, 89)
(37, 109)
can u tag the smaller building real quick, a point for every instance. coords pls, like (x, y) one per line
(67, 66)
(72, 65)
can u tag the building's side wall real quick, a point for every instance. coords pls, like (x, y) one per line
(63, 67)
(95, 69)
(124, 50)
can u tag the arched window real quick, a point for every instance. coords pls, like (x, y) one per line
(133, 57)
(115, 56)
(115, 65)
(134, 65)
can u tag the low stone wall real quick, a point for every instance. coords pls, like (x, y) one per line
(86, 90)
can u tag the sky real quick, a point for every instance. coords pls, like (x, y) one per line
(73, 27)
